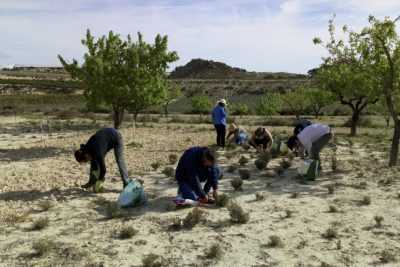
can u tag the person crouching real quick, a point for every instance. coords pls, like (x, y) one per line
(197, 165)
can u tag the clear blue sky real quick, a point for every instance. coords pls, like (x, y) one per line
(268, 35)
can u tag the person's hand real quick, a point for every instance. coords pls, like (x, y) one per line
(203, 200)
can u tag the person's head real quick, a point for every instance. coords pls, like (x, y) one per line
(209, 158)
(260, 133)
(81, 155)
(292, 142)
(222, 102)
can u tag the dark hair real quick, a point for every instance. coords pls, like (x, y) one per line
(291, 142)
(209, 155)
(221, 104)
(81, 154)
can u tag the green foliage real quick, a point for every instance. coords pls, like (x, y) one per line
(123, 74)
(240, 109)
(296, 101)
(318, 99)
(269, 105)
(201, 104)
(172, 94)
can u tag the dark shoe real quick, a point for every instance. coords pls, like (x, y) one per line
(88, 185)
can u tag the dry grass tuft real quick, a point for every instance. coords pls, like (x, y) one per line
(194, 217)
(126, 232)
(40, 224)
(214, 252)
(237, 183)
(330, 233)
(259, 196)
(169, 171)
(172, 158)
(15, 217)
(365, 201)
(275, 242)
(231, 168)
(378, 221)
(153, 260)
(222, 200)
(260, 164)
(155, 165)
(43, 247)
(243, 160)
(387, 256)
(332, 209)
(238, 215)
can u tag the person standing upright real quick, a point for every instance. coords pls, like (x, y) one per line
(219, 117)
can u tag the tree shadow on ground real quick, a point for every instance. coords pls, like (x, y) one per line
(28, 154)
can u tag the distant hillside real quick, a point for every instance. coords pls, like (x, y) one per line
(208, 69)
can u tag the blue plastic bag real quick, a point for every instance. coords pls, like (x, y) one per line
(133, 195)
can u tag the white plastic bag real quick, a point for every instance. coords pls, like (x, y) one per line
(132, 195)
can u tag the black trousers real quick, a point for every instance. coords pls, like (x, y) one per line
(221, 132)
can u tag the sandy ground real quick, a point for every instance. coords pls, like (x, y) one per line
(36, 167)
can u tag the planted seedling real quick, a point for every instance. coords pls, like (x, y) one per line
(332, 209)
(331, 188)
(238, 215)
(43, 246)
(275, 242)
(169, 171)
(222, 200)
(259, 196)
(155, 165)
(40, 224)
(330, 233)
(214, 252)
(126, 232)
(193, 218)
(237, 183)
(244, 174)
(366, 200)
(173, 158)
(378, 221)
(243, 160)
(153, 260)
(260, 164)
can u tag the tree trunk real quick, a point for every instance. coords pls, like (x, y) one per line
(354, 122)
(166, 110)
(394, 151)
(118, 116)
(387, 118)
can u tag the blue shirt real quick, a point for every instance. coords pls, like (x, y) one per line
(219, 115)
(191, 170)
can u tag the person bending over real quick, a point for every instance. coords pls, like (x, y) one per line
(311, 140)
(95, 151)
(236, 135)
(197, 165)
(261, 140)
(300, 126)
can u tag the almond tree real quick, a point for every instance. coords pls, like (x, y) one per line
(122, 74)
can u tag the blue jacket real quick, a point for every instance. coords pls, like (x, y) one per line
(219, 115)
(191, 171)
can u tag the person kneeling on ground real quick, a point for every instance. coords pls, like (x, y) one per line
(311, 140)
(95, 151)
(197, 165)
(261, 140)
(239, 136)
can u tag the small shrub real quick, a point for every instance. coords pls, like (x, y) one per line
(193, 218)
(378, 221)
(222, 200)
(294, 195)
(237, 183)
(275, 242)
(169, 171)
(243, 160)
(15, 217)
(155, 165)
(260, 164)
(265, 156)
(332, 209)
(279, 170)
(366, 200)
(46, 205)
(237, 214)
(214, 252)
(244, 174)
(331, 188)
(127, 232)
(153, 260)
(288, 214)
(231, 168)
(259, 196)
(40, 224)
(334, 163)
(43, 246)
(173, 158)
(330, 233)
(387, 256)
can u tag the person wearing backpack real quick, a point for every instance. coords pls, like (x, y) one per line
(95, 150)
(219, 118)
(197, 165)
